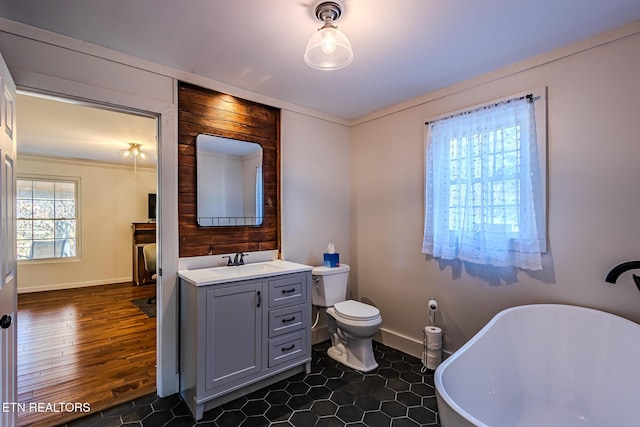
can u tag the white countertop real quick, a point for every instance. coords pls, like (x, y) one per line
(227, 274)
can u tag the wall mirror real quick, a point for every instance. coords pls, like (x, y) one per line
(229, 182)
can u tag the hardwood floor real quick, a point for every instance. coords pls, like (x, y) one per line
(89, 345)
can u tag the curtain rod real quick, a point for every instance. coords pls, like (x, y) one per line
(530, 97)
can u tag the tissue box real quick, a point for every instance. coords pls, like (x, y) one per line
(331, 260)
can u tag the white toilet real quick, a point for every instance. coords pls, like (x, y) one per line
(351, 324)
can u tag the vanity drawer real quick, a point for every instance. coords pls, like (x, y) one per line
(285, 320)
(287, 347)
(287, 291)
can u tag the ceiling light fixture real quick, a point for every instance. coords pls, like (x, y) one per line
(328, 48)
(134, 152)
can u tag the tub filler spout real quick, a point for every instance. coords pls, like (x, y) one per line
(616, 271)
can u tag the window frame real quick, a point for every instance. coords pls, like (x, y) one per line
(63, 179)
(539, 97)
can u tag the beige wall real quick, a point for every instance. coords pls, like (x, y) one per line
(593, 200)
(110, 201)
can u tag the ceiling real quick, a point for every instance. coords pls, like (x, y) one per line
(48, 127)
(402, 49)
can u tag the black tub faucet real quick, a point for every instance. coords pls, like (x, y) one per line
(616, 271)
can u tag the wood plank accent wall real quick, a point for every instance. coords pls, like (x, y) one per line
(214, 113)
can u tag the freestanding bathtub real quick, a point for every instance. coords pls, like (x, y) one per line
(544, 365)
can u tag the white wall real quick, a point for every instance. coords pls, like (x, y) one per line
(316, 188)
(225, 198)
(593, 199)
(110, 200)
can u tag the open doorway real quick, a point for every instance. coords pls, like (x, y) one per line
(81, 338)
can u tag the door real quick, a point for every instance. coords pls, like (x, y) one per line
(233, 333)
(8, 290)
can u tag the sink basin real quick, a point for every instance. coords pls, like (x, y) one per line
(246, 269)
(226, 274)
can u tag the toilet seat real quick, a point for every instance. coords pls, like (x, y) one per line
(356, 311)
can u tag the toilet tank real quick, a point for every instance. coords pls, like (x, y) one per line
(329, 285)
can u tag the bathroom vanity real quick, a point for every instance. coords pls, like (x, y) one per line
(242, 328)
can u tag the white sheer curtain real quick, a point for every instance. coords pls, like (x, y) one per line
(483, 187)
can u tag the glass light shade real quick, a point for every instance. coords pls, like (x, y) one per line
(328, 49)
(133, 152)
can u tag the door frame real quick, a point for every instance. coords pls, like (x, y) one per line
(166, 318)
(69, 68)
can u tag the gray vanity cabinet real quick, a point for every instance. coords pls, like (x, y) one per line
(240, 336)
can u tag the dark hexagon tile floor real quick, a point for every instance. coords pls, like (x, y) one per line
(396, 394)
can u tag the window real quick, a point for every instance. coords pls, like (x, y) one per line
(47, 218)
(485, 184)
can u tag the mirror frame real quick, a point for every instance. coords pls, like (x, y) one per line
(207, 111)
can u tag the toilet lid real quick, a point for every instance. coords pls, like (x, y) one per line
(355, 310)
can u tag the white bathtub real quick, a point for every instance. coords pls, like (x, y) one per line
(544, 366)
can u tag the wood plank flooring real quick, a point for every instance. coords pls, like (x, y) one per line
(88, 345)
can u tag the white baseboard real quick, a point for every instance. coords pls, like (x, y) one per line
(405, 344)
(384, 336)
(60, 286)
(399, 342)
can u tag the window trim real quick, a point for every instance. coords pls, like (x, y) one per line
(58, 178)
(539, 97)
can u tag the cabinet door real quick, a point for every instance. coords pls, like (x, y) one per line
(233, 333)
